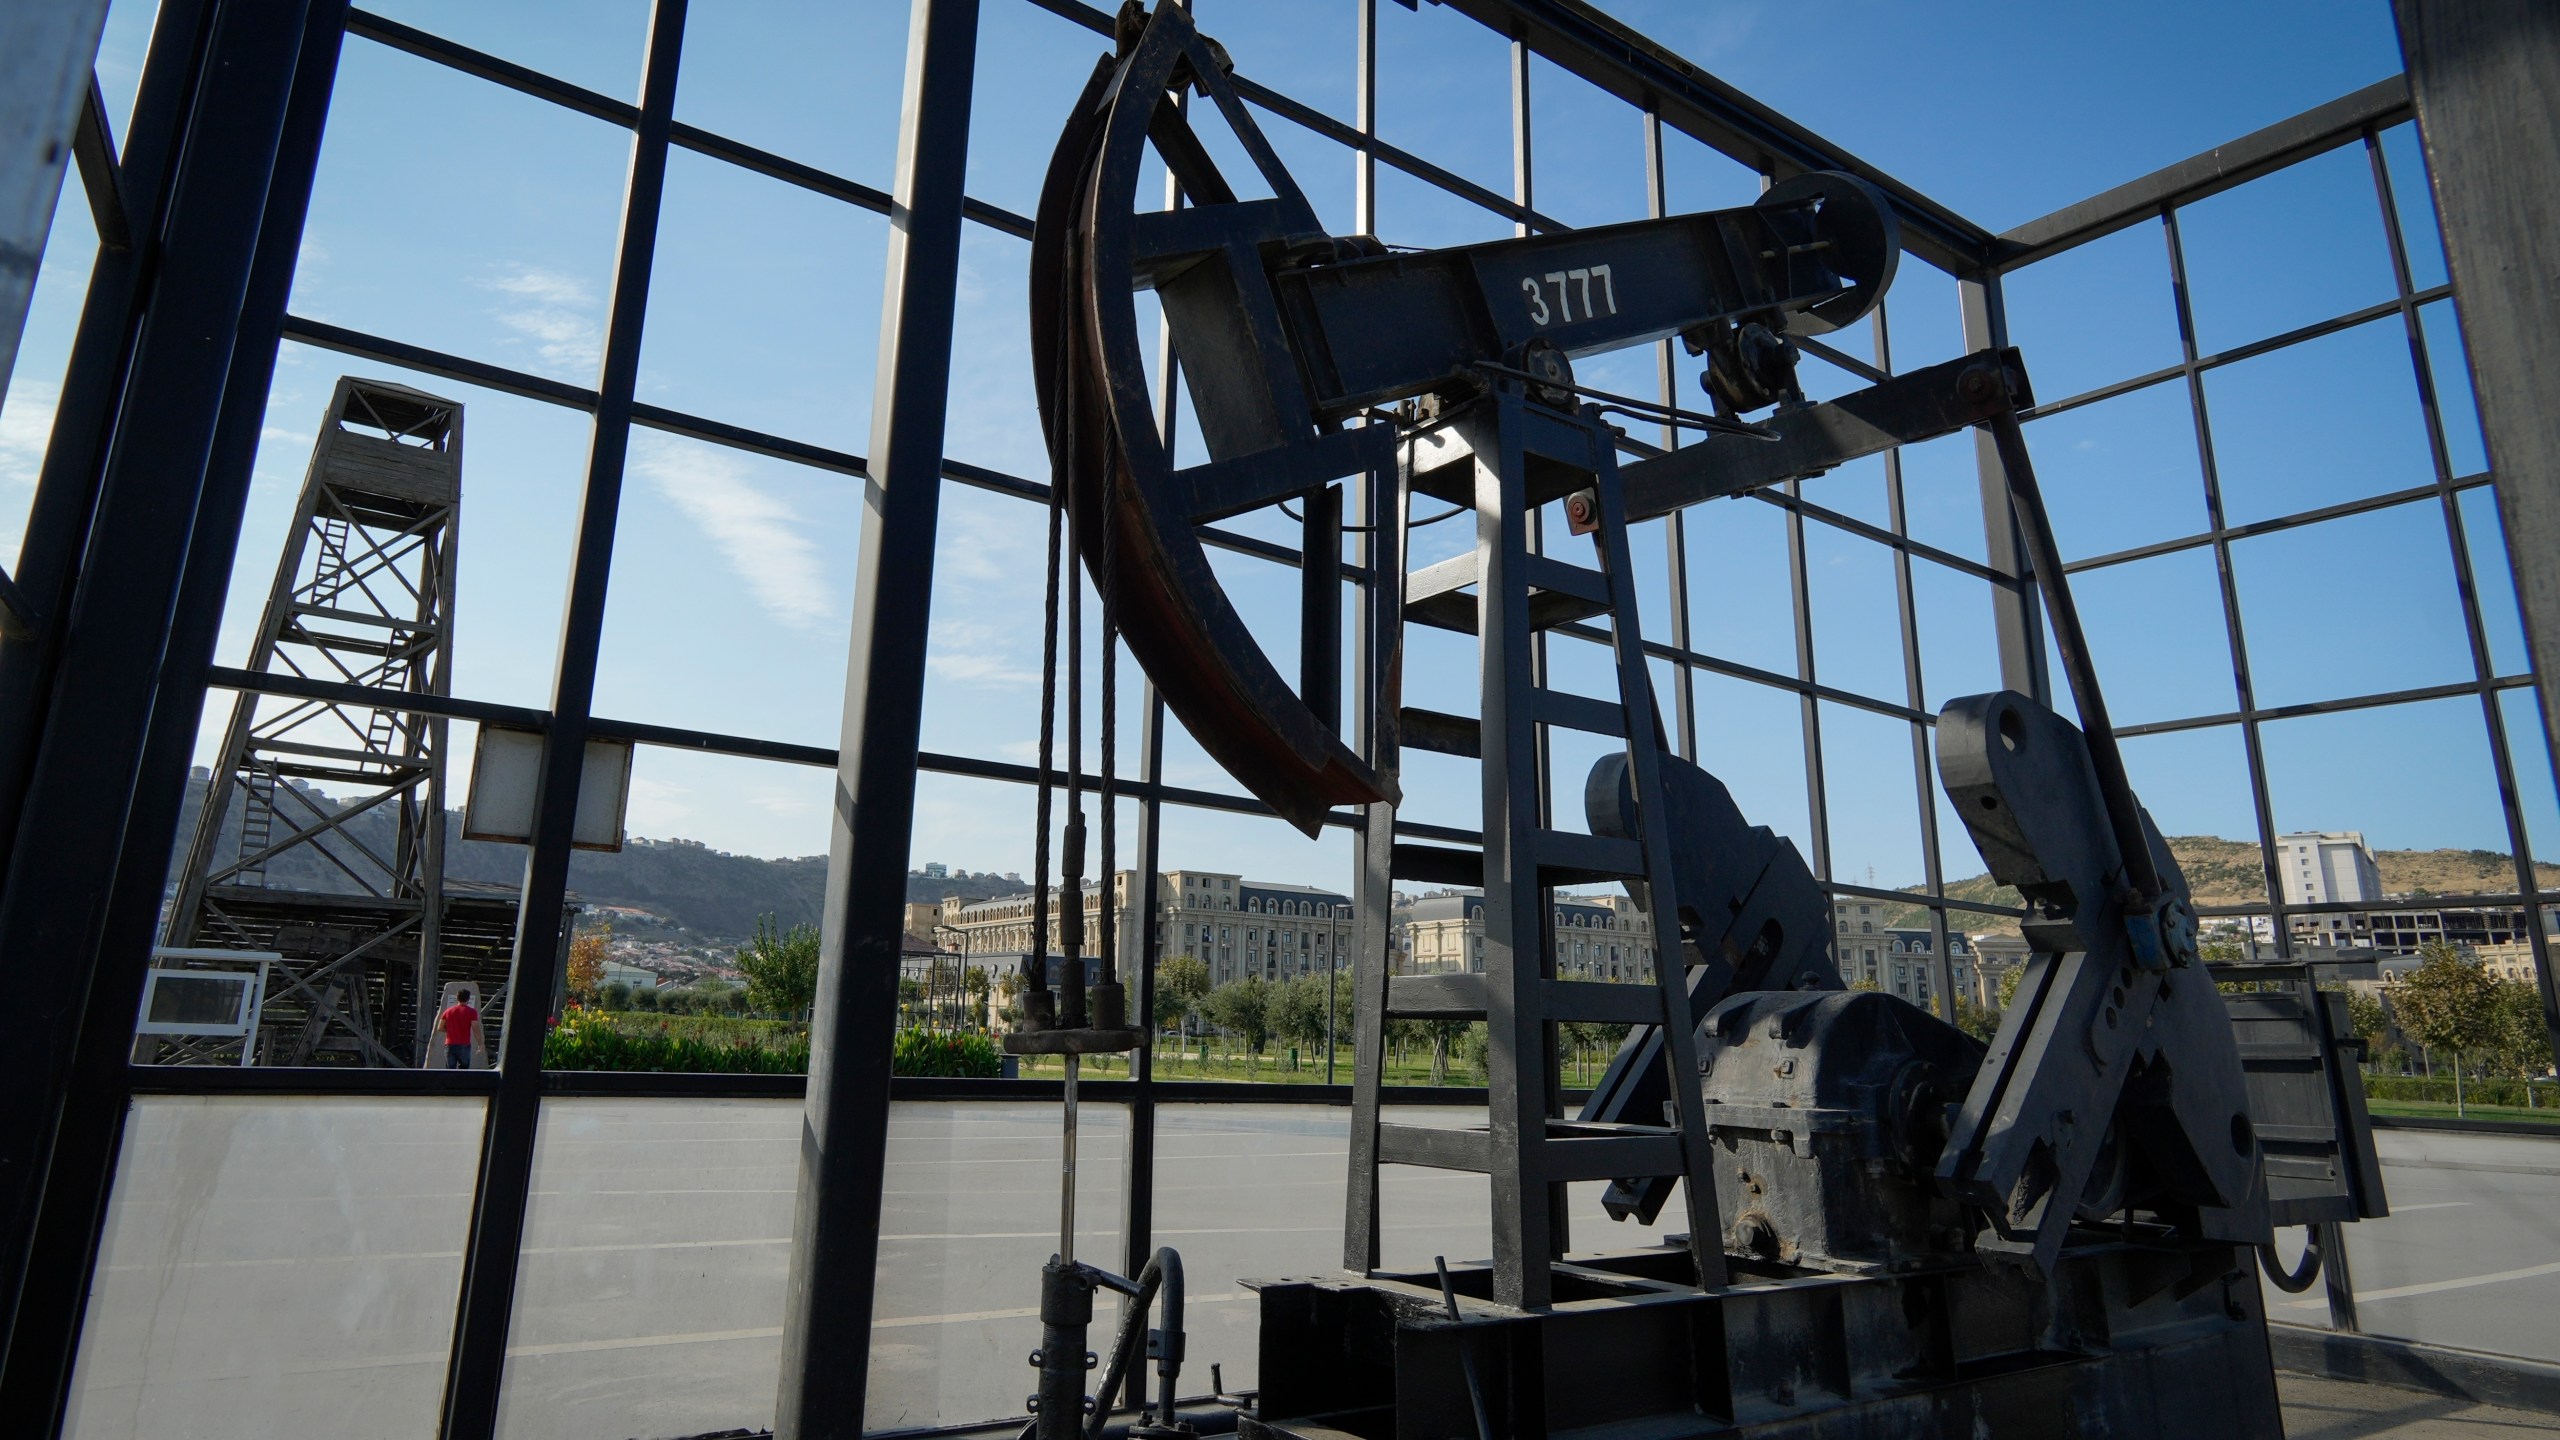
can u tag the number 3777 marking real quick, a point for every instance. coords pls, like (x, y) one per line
(1588, 286)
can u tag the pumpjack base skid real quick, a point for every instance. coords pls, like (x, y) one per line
(2125, 1338)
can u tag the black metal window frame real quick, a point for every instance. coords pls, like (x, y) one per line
(1666, 95)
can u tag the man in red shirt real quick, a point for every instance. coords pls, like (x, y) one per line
(458, 1019)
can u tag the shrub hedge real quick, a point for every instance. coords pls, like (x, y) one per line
(594, 1040)
(965, 1054)
(2476, 1092)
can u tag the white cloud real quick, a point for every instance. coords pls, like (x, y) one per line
(764, 540)
(657, 804)
(974, 652)
(557, 312)
(26, 427)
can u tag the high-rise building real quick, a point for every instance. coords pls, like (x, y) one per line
(2328, 867)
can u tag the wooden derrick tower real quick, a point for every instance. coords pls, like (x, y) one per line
(321, 836)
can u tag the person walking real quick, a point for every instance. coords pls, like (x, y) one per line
(458, 1019)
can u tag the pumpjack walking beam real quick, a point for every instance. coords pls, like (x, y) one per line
(1504, 456)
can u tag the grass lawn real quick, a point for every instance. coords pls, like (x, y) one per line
(2443, 1110)
(1273, 1068)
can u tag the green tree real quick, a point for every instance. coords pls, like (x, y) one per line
(781, 967)
(1298, 1011)
(976, 983)
(2523, 1042)
(1443, 1035)
(2009, 984)
(1182, 982)
(2368, 1021)
(2448, 1004)
(1243, 1009)
(1979, 1021)
(587, 955)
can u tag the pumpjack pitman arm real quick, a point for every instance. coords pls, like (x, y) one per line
(2111, 1083)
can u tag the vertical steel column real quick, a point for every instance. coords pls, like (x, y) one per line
(2481, 74)
(1521, 178)
(2483, 666)
(1528, 1212)
(2017, 615)
(52, 1297)
(1139, 1187)
(1364, 163)
(87, 733)
(478, 1365)
(2252, 742)
(826, 1327)
(1916, 695)
(47, 56)
(1675, 526)
(66, 499)
(1809, 710)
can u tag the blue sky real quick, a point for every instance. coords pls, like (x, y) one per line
(462, 217)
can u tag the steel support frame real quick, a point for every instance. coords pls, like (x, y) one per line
(2470, 69)
(845, 1131)
(476, 1370)
(227, 131)
(62, 512)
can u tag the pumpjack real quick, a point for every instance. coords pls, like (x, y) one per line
(1891, 1227)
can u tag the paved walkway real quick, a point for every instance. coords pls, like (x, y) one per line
(2339, 1410)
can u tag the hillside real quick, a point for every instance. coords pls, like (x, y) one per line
(712, 893)
(2229, 872)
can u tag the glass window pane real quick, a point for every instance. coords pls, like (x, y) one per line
(1740, 597)
(2122, 472)
(2530, 750)
(1857, 625)
(521, 275)
(278, 1267)
(1751, 736)
(2196, 783)
(784, 344)
(1873, 805)
(2443, 793)
(2321, 216)
(2449, 362)
(2413, 194)
(2493, 580)
(2156, 634)
(649, 1298)
(2397, 627)
(2461, 1205)
(730, 601)
(968, 1218)
(2096, 314)
(817, 82)
(2313, 424)
(592, 43)
(1942, 496)
(1959, 649)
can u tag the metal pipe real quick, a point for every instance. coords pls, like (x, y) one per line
(1067, 1169)
(2044, 557)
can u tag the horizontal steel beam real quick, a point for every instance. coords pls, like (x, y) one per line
(1578, 38)
(2325, 127)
